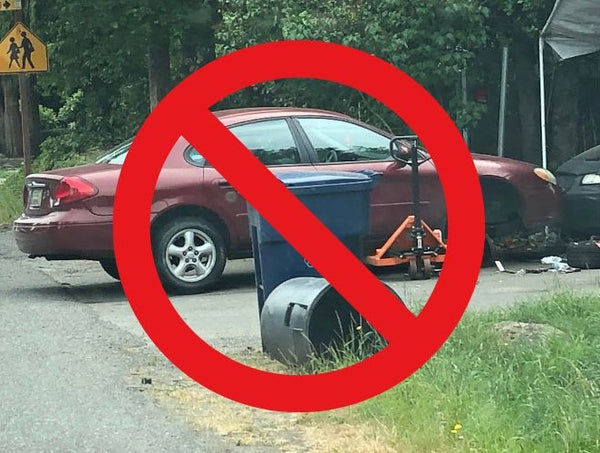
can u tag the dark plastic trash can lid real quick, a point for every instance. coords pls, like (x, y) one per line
(325, 181)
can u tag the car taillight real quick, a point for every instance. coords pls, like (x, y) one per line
(71, 189)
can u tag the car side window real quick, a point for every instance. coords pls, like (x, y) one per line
(270, 141)
(194, 157)
(341, 141)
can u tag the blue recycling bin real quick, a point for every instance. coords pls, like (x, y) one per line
(340, 200)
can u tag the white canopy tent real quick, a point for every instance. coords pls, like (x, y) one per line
(573, 29)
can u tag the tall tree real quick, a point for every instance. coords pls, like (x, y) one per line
(2, 138)
(197, 24)
(159, 63)
(12, 117)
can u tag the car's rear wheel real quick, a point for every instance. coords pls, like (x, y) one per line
(190, 254)
(110, 267)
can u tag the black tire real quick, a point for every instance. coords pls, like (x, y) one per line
(487, 259)
(427, 269)
(182, 239)
(110, 267)
(583, 255)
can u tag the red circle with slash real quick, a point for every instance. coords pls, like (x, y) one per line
(185, 113)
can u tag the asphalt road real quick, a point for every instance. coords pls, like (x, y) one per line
(70, 343)
(66, 381)
(228, 317)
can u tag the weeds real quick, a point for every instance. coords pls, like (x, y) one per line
(360, 343)
(481, 393)
(10, 197)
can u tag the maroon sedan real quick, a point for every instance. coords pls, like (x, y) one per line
(199, 220)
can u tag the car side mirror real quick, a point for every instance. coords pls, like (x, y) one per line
(401, 149)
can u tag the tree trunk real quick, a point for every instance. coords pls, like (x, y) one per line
(12, 117)
(34, 117)
(2, 138)
(529, 103)
(159, 68)
(564, 115)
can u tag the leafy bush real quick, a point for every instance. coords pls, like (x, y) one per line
(65, 150)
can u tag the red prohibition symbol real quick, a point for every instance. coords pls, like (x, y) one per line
(185, 113)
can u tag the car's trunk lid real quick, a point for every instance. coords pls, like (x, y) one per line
(40, 187)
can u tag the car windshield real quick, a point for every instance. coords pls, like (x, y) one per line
(116, 155)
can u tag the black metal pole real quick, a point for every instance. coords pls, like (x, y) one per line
(25, 96)
(415, 185)
(417, 233)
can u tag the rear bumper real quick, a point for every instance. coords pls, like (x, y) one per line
(62, 235)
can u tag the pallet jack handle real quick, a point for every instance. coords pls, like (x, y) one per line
(410, 155)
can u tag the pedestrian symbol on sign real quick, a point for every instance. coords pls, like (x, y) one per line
(13, 50)
(27, 48)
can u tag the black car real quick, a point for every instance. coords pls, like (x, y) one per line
(580, 179)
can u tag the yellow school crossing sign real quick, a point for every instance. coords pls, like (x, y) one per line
(22, 51)
(10, 5)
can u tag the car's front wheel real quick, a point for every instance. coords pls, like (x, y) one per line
(190, 254)
(110, 267)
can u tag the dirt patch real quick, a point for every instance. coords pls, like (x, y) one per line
(523, 333)
(335, 434)
(257, 429)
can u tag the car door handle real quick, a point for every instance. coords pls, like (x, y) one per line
(224, 184)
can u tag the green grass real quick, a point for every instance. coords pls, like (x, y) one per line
(507, 396)
(11, 204)
(4, 174)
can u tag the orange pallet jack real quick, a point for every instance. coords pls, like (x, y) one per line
(414, 242)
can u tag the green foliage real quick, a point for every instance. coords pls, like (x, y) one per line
(97, 90)
(466, 114)
(431, 41)
(62, 151)
(96, 84)
(511, 20)
(68, 142)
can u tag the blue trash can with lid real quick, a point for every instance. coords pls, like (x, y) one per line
(340, 200)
